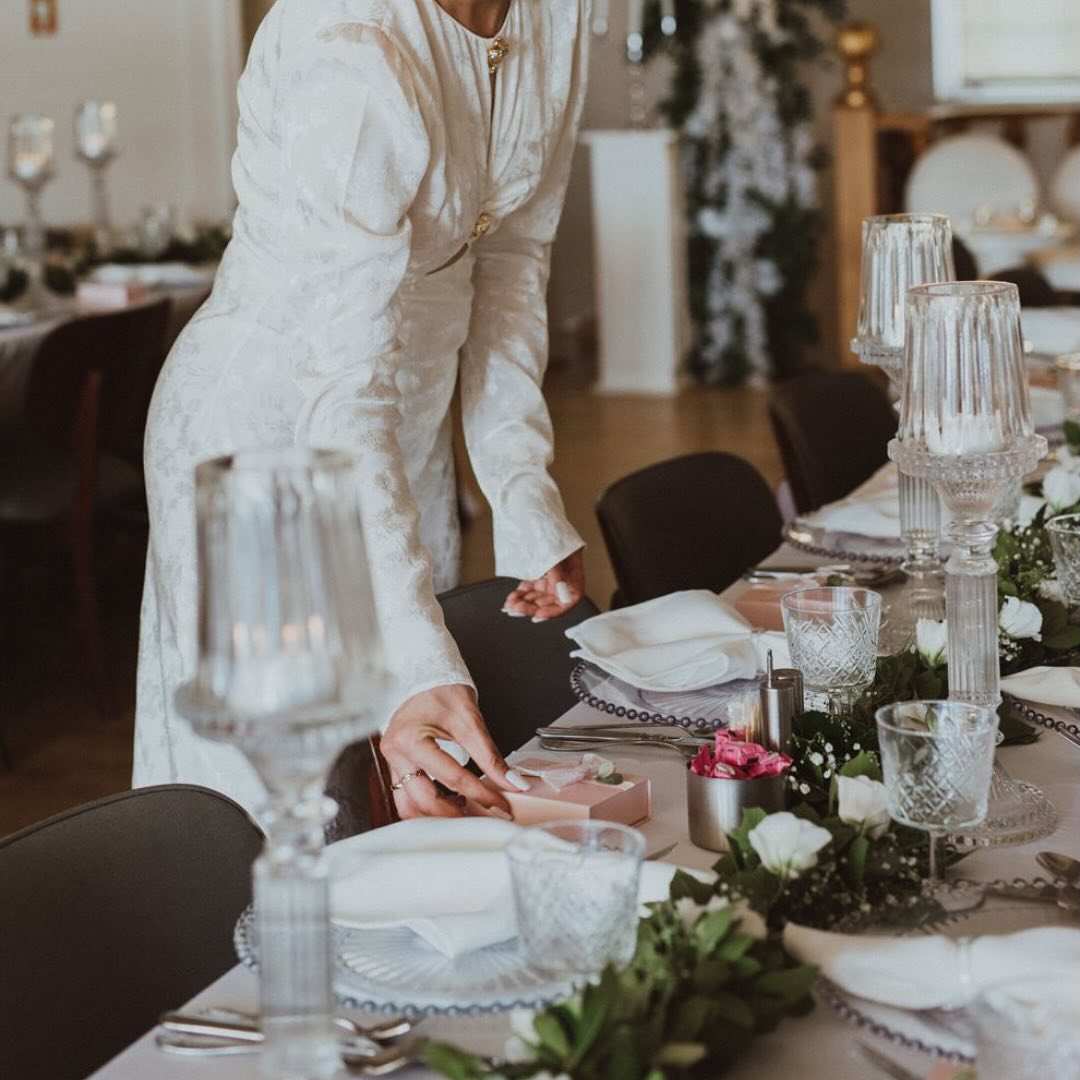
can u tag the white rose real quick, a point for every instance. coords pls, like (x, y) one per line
(750, 922)
(862, 804)
(1050, 589)
(1061, 489)
(1019, 619)
(787, 845)
(932, 640)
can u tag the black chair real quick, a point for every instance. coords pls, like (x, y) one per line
(112, 913)
(832, 428)
(1034, 289)
(963, 261)
(694, 522)
(521, 668)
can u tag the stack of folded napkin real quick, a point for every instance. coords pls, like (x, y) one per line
(446, 879)
(684, 641)
(933, 972)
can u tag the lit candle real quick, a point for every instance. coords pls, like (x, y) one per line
(668, 24)
(966, 433)
(601, 17)
(30, 165)
(635, 21)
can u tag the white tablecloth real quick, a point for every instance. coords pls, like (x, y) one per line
(822, 1039)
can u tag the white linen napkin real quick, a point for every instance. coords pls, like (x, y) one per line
(446, 879)
(875, 515)
(684, 641)
(930, 972)
(1046, 685)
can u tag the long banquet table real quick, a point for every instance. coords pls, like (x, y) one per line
(820, 1045)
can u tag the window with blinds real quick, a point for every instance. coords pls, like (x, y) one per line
(1006, 51)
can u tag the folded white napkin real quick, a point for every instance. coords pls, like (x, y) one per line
(684, 641)
(875, 515)
(446, 879)
(1051, 331)
(1046, 685)
(1047, 407)
(932, 972)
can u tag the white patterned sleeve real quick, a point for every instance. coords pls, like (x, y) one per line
(355, 151)
(506, 422)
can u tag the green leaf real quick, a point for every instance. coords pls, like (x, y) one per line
(864, 763)
(680, 1055)
(789, 985)
(739, 836)
(856, 861)
(1072, 432)
(712, 928)
(685, 885)
(734, 1010)
(596, 1006)
(552, 1034)
(452, 1062)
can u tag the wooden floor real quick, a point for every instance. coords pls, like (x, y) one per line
(64, 755)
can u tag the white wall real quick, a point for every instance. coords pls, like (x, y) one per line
(171, 67)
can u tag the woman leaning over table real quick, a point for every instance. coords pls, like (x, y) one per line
(400, 172)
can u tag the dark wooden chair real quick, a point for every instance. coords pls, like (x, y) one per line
(694, 522)
(113, 913)
(832, 428)
(85, 410)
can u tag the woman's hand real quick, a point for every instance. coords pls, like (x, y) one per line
(552, 595)
(446, 712)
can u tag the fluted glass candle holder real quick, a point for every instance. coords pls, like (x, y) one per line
(898, 251)
(965, 425)
(96, 133)
(30, 163)
(289, 669)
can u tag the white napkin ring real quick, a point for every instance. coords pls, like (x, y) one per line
(401, 781)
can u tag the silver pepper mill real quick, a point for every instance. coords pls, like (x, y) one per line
(781, 702)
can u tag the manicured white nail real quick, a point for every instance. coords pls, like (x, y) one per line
(519, 781)
(513, 614)
(497, 811)
(563, 593)
(539, 618)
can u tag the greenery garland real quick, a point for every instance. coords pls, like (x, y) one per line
(749, 160)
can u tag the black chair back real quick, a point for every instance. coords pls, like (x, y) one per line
(521, 668)
(694, 522)
(125, 347)
(112, 913)
(1034, 289)
(832, 428)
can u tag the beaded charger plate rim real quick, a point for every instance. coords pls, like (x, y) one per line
(501, 978)
(851, 547)
(659, 708)
(940, 1033)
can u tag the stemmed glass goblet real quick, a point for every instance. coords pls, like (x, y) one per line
(30, 160)
(95, 143)
(290, 669)
(937, 757)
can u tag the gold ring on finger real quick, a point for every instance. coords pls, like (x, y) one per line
(401, 781)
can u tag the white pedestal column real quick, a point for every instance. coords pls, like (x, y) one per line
(640, 243)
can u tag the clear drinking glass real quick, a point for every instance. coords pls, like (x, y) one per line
(965, 425)
(290, 669)
(1068, 380)
(937, 757)
(1028, 1029)
(96, 133)
(1064, 533)
(832, 634)
(30, 161)
(576, 895)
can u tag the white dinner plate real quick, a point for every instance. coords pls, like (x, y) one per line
(393, 970)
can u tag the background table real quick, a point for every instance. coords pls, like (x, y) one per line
(822, 1038)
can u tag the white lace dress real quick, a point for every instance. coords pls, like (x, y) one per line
(396, 209)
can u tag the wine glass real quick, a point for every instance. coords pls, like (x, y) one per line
(30, 161)
(290, 669)
(937, 757)
(96, 144)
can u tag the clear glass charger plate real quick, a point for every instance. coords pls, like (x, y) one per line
(850, 547)
(395, 971)
(731, 704)
(942, 1033)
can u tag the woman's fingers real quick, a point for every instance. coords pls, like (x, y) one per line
(475, 737)
(420, 798)
(442, 767)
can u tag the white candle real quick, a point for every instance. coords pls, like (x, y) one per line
(966, 433)
(635, 21)
(668, 24)
(30, 165)
(601, 17)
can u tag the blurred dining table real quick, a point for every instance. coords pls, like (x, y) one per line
(20, 339)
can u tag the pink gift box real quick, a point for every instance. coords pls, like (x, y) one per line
(628, 803)
(760, 604)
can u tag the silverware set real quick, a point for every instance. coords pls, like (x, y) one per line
(685, 743)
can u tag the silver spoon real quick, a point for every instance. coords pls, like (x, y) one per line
(1063, 867)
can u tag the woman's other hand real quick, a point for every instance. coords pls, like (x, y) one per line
(416, 761)
(552, 595)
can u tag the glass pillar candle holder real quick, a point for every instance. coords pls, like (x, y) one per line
(965, 425)
(96, 133)
(289, 670)
(30, 164)
(1068, 381)
(832, 635)
(898, 251)
(1064, 533)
